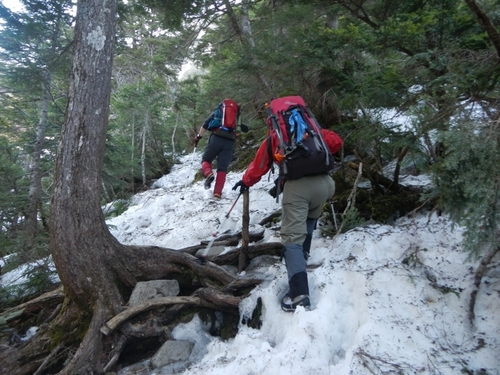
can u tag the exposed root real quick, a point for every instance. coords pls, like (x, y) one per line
(115, 354)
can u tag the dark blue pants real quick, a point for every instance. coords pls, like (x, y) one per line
(221, 149)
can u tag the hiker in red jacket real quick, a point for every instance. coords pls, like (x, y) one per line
(222, 124)
(302, 202)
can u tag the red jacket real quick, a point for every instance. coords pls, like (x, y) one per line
(261, 163)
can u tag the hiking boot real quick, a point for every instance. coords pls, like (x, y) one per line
(209, 180)
(216, 197)
(289, 305)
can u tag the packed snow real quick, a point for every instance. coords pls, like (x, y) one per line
(386, 299)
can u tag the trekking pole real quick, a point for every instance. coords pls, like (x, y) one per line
(203, 256)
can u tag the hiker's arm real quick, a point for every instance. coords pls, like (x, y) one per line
(201, 132)
(332, 140)
(204, 126)
(259, 166)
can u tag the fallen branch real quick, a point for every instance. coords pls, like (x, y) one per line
(351, 201)
(240, 284)
(205, 297)
(122, 317)
(47, 359)
(478, 276)
(56, 295)
(231, 257)
(225, 240)
(270, 218)
(117, 351)
(364, 356)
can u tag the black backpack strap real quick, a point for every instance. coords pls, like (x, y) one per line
(321, 140)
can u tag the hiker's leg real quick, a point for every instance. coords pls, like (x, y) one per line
(321, 188)
(209, 155)
(311, 226)
(303, 201)
(206, 168)
(223, 160)
(293, 233)
(220, 180)
(296, 270)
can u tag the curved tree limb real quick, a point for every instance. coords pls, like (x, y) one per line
(351, 201)
(122, 317)
(485, 21)
(206, 297)
(478, 276)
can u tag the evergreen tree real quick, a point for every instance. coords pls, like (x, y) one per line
(34, 65)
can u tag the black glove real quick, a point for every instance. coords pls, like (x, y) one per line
(197, 139)
(274, 190)
(241, 185)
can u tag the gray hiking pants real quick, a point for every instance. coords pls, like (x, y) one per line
(303, 198)
(302, 203)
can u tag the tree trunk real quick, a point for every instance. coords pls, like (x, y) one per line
(486, 22)
(36, 170)
(96, 271)
(82, 248)
(132, 161)
(145, 131)
(245, 34)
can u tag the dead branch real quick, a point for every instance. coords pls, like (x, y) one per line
(54, 296)
(225, 240)
(205, 297)
(240, 284)
(484, 20)
(378, 180)
(122, 317)
(363, 355)
(149, 329)
(270, 218)
(478, 276)
(401, 156)
(231, 257)
(47, 360)
(351, 200)
(222, 301)
(116, 352)
(245, 235)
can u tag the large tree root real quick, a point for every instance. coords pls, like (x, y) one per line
(108, 332)
(208, 297)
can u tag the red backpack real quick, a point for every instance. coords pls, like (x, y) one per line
(225, 116)
(303, 151)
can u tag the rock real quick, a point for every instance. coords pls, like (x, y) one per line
(172, 351)
(146, 290)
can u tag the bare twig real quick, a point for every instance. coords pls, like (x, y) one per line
(478, 276)
(46, 361)
(116, 352)
(351, 201)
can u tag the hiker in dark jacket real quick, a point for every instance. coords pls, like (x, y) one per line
(302, 203)
(219, 146)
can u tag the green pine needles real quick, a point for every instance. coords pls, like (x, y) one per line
(468, 179)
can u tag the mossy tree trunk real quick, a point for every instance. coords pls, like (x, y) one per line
(82, 248)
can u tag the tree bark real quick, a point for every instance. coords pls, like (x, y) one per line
(144, 134)
(244, 31)
(82, 248)
(485, 21)
(245, 236)
(36, 170)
